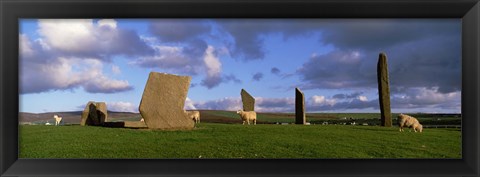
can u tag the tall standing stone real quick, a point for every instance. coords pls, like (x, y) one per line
(384, 91)
(248, 101)
(102, 112)
(300, 117)
(94, 114)
(162, 102)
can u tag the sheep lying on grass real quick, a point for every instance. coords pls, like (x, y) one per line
(409, 121)
(247, 116)
(57, 119)
(194, 115)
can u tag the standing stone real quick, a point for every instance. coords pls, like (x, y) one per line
(94, 114)
(162, 102)
(384, 91)
(300, 117)
(102, 111)
(248, 101)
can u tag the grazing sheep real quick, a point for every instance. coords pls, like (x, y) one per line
(409, 121)
(194, 115)
(247, 116)
(57, 119)
(142, 120)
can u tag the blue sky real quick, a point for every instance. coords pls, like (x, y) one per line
(65, 63)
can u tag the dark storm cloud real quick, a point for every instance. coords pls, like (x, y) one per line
(418, 49)
(195, 48)
(338, 69)
(275, 71)
(429, 61)
(347, 96)
(434, 62)
(380, 34)
(248, 43)
(232, 78)
(344, 105)
(177, 30)
(126, 42)
(257, 76)
(179, 60)
(211, 82)
(214, 81)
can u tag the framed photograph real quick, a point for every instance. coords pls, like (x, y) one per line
(239, 88)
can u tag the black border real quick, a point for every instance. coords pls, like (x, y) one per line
(11, 10)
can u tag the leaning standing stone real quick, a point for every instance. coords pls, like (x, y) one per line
(248, 101)
(163, 100)
(384, 91)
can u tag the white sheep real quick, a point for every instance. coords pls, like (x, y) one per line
(57, 119)
(194, 115)
(409, 121)
(247, 116)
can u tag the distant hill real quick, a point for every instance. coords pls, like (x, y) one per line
(70, 117)
(213, 116)
(230, 117)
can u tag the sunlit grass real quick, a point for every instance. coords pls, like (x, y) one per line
(210, 140)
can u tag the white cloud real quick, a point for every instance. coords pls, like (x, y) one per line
(227, 103)
(214, 67)
(116, 69)
(68, 34)
(25, 46)
(107, 23)
(122, 107)
(189, 104)
(321, 100)
(65, 57)
(421, 96)
(362, 98)
(88, 38)
(68, 73)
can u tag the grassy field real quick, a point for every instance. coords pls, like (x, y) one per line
(215, 140)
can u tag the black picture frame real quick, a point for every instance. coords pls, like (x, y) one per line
(12, 10)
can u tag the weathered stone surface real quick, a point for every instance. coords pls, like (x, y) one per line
(300, 117)
(102, 111)
(384, 91)
(248, 101)
(94, 114)
(163, 100)
(135, 124)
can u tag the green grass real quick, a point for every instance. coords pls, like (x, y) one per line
(227, 114)
(210, 140)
